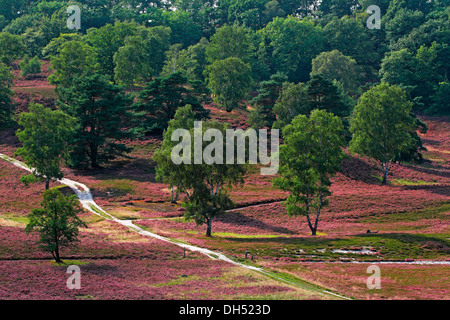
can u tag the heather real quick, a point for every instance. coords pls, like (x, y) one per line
(398, 282)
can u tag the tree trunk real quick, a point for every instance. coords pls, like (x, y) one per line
(47, 183)
(385, 173)
(313, 229)
(55, 255)
(208, 226)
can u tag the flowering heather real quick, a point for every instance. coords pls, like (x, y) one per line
(397, 281)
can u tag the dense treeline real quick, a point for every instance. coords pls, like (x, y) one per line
(134, 41)
(312, 66)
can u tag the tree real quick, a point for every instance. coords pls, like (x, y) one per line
(327, 95)
(289, 46)
(191, 62)
(51, 49)
(293, 101)
(56, 221)
(29, 66)
(132, 63)
(230, 41)
(318, 93)
(434, 29)
(157, 42)
(339, 7)
(335, 66)
(184, 29)
(161, 98)
(352, 38)
(268, 93)
(402, 23)
(441, 99)
(419, 73)
(6, 101)
(381, 125)
(205, 184)
(11, 47)
(106, 41)
(230, 81)
(102, 110)
(311, 155)
(44, 138)
(73, 59)
(167, 171)
(11, 8)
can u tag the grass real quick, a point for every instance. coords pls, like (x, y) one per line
(116, 186)
(436, 212)
(67, 263)
(231, 235)
(20, 219)
(46, 92)
(386, 246)
(405, 182)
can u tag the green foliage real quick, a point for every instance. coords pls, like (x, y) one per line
(167, 171)
(318, 93)
(311, 155)
(11, 47)
(230, 81)
(352, 38)
(190, 62)
(230, 41)
(335, 66)
(292, 102)
(102, 110)
(184, 30)
(44, 138)
(204, 184)
(418, 73)
(73, 59)
(29, 66)
(161, 98)
(338, 7)
(142, 56)
(289, 46)
(132, 63)
(56, 221)
(51, 49)
(6, 102)
(381, 125)
(268, 93)
(441, 99)
(327, 95)
(107, 40)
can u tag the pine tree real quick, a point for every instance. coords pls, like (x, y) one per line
(268, 94)
(161, 98)
(102, 110)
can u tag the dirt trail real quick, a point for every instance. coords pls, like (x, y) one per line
(85, 197)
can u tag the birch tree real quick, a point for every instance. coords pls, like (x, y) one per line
(311, 155)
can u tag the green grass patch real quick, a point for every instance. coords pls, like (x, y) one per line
(117, 186)
(404, 182)
(22, 219)
(436, 212)
(46, 92)
(245, 236)
(67, 263)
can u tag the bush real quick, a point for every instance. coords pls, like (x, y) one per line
(29, 66)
